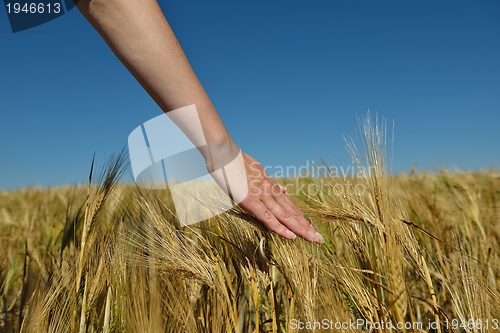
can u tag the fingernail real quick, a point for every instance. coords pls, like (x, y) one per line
(290, 234)
(321, 240)
(316, 237)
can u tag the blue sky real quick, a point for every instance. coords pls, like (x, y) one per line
(288, 78)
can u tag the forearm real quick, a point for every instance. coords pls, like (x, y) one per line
(140, 36)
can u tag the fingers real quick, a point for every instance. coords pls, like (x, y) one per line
(288, 214)
(260, 211)
(267, 201)
(278, 212)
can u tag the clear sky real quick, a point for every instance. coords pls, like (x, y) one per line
(287, 76)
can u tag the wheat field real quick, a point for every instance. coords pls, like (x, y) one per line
(413, 252)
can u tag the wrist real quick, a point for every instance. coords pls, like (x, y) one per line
(219, 154)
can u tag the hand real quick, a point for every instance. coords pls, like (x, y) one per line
(267, 201)
(247, 183)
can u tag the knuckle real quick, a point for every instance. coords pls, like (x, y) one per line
(277, 192)
(248, 203)
(296, 212)
(284, 214)
(268, 215)
(268, 182)
(253, 200)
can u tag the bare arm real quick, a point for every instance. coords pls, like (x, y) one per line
(140, 36)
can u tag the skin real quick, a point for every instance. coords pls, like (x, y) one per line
(140, 36)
